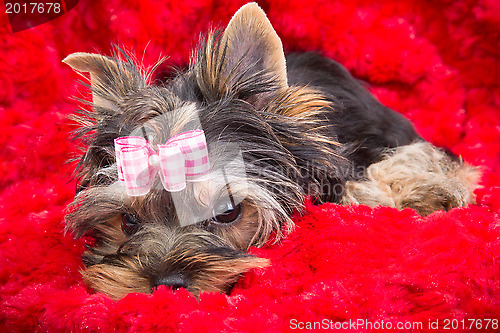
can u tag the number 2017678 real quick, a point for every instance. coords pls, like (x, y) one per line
(33, 8)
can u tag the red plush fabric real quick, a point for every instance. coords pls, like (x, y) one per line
(436, 61)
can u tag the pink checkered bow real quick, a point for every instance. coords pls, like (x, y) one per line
(183, 158)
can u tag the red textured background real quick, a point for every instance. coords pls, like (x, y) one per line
(435, 61)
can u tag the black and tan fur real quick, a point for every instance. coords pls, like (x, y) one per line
(303, 125)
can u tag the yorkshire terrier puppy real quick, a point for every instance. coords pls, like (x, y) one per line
(180, 179)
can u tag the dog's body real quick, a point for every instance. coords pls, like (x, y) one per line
(302, 126)
(358, 118)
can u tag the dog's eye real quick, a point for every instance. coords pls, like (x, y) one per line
(130, 223)
(226, 212)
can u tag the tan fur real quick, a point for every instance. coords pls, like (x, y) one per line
(305, 105)
(117, 281)
(242, 233)
(217, 277)
(112, 234)
(302, 103)
(417, 176)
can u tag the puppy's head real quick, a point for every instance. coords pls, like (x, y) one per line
(236, 91)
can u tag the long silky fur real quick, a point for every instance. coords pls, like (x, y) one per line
(288, 137)
(272, 140)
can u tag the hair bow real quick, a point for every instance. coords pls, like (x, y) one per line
(182, 158)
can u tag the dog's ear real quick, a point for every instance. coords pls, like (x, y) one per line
(252, 45)
(247, 60)
(111, 78)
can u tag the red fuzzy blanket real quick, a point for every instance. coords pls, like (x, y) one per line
(351, 268)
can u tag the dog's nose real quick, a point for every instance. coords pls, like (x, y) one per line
(174, 281)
